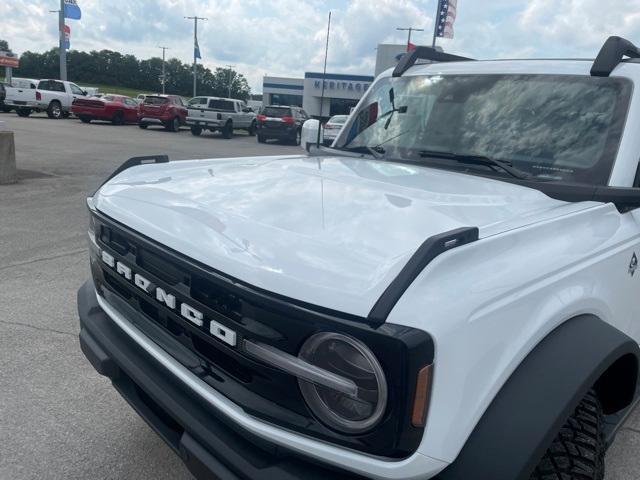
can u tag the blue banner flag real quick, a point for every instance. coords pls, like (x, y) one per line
(196, 50)
(72, 10)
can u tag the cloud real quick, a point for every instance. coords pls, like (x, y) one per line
(287, 37)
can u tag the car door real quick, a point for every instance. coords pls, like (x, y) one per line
(130, 110)
(76, 92)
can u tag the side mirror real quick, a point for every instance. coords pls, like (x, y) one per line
(309, 135)
(84, 92)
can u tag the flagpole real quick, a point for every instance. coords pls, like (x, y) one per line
(195, 59)
(435, 24)
(63, 50)
(324, 74)
(195, 41)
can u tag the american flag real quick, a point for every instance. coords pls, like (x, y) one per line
(446, 17)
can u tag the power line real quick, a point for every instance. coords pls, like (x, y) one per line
(195, 42)
(164, 78)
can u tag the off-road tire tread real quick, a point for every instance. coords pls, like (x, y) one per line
(577, 452)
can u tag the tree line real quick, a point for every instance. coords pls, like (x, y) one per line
(108, 67)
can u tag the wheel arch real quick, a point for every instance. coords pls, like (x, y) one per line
(527, 413)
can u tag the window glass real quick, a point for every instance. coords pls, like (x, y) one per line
(276, 112)
(75, 89)
(219, 104)
(554, 127)
(197, 101)
(151, 100)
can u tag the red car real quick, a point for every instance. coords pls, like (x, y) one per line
(166, 110)
(116, 109)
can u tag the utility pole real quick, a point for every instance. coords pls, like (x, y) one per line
(61, 41)
(410, 29)
(164, 78)
(195, 42)
(229, 81)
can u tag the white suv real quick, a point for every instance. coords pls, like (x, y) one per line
(449, 292)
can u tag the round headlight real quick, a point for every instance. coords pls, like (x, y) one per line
(351, 359)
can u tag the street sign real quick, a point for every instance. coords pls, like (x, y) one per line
(9, 59)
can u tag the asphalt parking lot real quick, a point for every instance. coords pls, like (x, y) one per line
(58, 418)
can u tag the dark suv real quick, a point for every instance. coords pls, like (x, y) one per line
(280, 122)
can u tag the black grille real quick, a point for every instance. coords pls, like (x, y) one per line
(262, 391)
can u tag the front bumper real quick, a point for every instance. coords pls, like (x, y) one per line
(214, 437)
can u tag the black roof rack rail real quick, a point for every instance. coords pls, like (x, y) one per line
(611, 54)
(409, 59)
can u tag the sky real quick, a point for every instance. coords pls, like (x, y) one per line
(286, 37)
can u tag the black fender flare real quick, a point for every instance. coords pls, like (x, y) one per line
(543, 391)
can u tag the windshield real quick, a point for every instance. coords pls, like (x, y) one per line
(552, 127)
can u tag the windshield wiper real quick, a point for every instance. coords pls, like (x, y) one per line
(504, 165)
(375, 152)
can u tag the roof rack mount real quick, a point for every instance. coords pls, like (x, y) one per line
(611, 54)
(409, 59)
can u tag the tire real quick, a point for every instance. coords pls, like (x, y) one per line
(23, 112)
(252, 129)
(5, 109)
(261, 139)
(227, 131)
(196, 131)
(298, 138)
(118, 118)
(173, 125)
(85, 119)
(577, 453)
(143, 126)
(54, 110)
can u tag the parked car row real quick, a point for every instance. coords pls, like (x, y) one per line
(61, 98)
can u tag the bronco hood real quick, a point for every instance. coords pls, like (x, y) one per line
(329, 231)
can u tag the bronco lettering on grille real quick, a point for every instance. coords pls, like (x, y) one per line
(169, 300)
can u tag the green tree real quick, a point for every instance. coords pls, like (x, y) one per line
(107, 67)
(4, 45)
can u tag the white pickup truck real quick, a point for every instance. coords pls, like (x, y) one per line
(53, 96)
(223, 114)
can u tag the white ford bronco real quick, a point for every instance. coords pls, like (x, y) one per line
(450, 291)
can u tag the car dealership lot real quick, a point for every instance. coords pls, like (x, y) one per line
(58, 418)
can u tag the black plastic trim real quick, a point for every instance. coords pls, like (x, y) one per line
(134, 162)
(428, 251)
(611, 54)
(211, 446)
(536, 401)
(264, 317)
(409, 59)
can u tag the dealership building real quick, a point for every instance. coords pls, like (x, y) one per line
(341, 91)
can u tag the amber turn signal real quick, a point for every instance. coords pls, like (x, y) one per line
(421, 399)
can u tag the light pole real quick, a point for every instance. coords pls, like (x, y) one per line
(229, 81)
(195, 44)
(410, 29)
(164, 77)
(61, 41)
